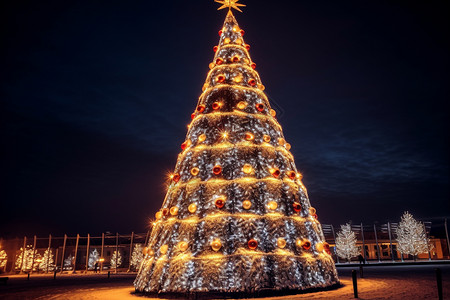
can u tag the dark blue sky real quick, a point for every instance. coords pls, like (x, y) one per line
(96, 96)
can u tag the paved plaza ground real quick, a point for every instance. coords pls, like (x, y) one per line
(379, 282)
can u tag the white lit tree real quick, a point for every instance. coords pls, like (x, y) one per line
(137, 256)
(68, 263)
(411, 236)
(346, 243)
(116, 259)
(94, 256)
(3, 258)
(27, 260)
(236, 216)
(47, 262)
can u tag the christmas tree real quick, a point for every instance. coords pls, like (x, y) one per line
(346, 243)
(411, 236)
(236, 217)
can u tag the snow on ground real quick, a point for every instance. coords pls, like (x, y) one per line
(391, 282)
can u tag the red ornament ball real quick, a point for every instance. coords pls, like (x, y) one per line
(176, 177)
(252, 82)
(165, 211)
(215, 48)
(291, 175)
(252, 244)
(220, 32)
(235, 59)
(253, 65)
(275, 172)
(220, 78)
(220, 202)
(326, 247)
(316, 216)
(242, 32)
(201, 108)
(219, 61)
(216, 105)
(247, 46)
(297, 207)
(259, 106)
(217, 170)
(183, 145)
(306, 245)
(192, 116)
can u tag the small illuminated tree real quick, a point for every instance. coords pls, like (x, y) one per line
(137, 256)
(3, 259)
(94, 256)
(116, 260)
(47, 263)
(411, 236)
(27, 260)
(346, 243)
(68, 262)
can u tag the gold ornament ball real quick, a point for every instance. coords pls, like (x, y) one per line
(158, 215)
(246, 204)
(238, 41)
(266, 138)
(312, 210)
(287, 146)
(273, 113)
(211, 65)
(202, 137)
(272, 205)
(247, 169)
(182, 246)
(216, 244)
(281, 243)
(192, 208)
(174, 210)
(242, 105)
(194, 171)
(319, 247)
(163, 249)
(238, 78)
(281, 141)
(226, 41)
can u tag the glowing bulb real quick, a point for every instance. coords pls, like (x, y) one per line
(195, 171)
(247, 169)
(158, 215)
(272, 205)
(192, 208)
(174, 210)
(182, 246)
(225, 135)
(220, 201)
(266, 138)
(249, 136)
(242, 105)
(226, 41)
(163, 249)
(281, 243)
(216, 244)
(246, 204)
(202, 137)
(319, 247)
(252, 244)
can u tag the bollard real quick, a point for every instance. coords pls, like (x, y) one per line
(28, 277)
(355, 284)
(361, 271)
(109, 274)
(54, 274)
(439, 283)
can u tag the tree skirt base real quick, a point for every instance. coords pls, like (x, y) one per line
(234, 295)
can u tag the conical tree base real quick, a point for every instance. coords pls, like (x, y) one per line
(236, 219)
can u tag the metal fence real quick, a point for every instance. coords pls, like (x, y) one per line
(114, 252)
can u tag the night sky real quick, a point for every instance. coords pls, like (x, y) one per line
(96, 96)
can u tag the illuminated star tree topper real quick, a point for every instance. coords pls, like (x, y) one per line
(230, 4)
